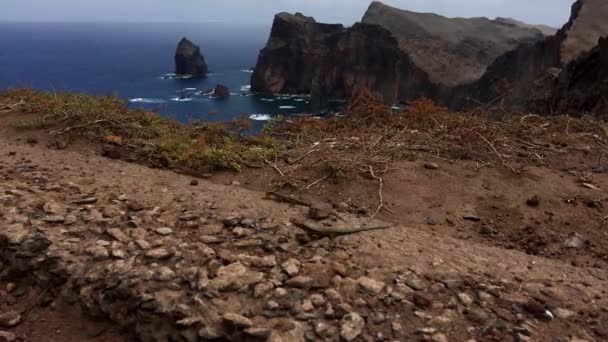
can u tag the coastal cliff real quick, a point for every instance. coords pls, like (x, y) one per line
(399, 55)
(189, 60)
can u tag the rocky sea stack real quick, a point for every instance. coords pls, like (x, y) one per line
(189, 60)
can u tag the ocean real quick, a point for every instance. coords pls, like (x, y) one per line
(132, 62)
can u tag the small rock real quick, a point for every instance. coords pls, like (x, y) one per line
(299, 282)
(7, 336)
(574, 241)
(158, 253)
(439, 337)
(237, 320)
(533, 201)
(164, 273)
(118, 234)
(260, 332)
(194, 182)
(317, 300)
(15, 233)
(352, 326)
(291, 267)
(262, 288)
(324, 329)
(397, 329)
(563, 313)
(423, 300)
(307, 306)
(85, 200)
(471, 217)
(164, 231)
(320, 210)
(10, 319)
(465, 299)
(431, 166)
(371, 285)
(415, 283)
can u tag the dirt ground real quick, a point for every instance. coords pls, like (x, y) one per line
(540, 236)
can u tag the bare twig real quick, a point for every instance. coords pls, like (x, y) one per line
(77, 126)
(380, 187)
(317, 182)
(274, 166)
(302, 157)
(502, 160)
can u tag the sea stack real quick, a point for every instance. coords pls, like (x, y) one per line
(189, 60)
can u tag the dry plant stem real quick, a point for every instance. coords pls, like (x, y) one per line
(303, 156)
(502, 161)
(317, 182)
(380, 187)
(275, 167)
(78, 126)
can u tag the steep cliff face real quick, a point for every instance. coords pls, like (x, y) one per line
(293, 54)
(524, 78)
(189, 60)
(451, 50)
(583, 85)
(399, 55)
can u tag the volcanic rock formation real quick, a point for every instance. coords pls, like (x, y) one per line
(189, 60)
(398, 54)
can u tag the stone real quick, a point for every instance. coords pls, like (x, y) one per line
(317, 300)
(465, 299)
(15, 233)
(86, 200)
(194, 182)
(98, 252)
(423, 300)
(307, 306)
(52, 208)
(234, 277)
(351, 326)
(7, 336)
(324, 329)
(439, 337)
(164, 273)
(291, 267)
(237, 320)
(371, 285)
(158, 253)
(260, 332)
(262, 288)
(431, 166)
(574, 242)
(266, 261)
(118, 234)
(220, 92)
(10, 319)
(415, 283)
(397, 329)
(563, 313)
(164, 231)
(533, 201)
(301, 282)
(320, 210)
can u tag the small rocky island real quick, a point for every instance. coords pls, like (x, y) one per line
(189, 60)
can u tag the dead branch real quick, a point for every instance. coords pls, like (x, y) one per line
(275, 167)
(317, 182)
(302, 157)
(502, 160)
(380, 188)
(77, 126)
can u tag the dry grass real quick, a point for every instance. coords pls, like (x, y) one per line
(197, 147)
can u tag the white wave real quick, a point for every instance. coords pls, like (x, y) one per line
(260, 117)
(189, 89)
(268, 100)
(299, 100)
(144, 100)
(246, 88)
(287, 107)
(181, 99)
(249, 71)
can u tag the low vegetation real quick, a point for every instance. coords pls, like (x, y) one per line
(143, 136)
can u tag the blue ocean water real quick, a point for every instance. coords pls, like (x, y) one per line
(129, 61)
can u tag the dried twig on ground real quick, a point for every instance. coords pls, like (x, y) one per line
(78, 126)
(302, 156)
(317, 182)
(502, 160)
(275, 167)
(380, 188)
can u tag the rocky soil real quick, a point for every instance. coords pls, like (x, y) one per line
(165, 257)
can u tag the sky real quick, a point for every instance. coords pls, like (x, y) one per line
(550, 12)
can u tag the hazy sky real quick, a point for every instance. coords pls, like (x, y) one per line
(552, 12)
